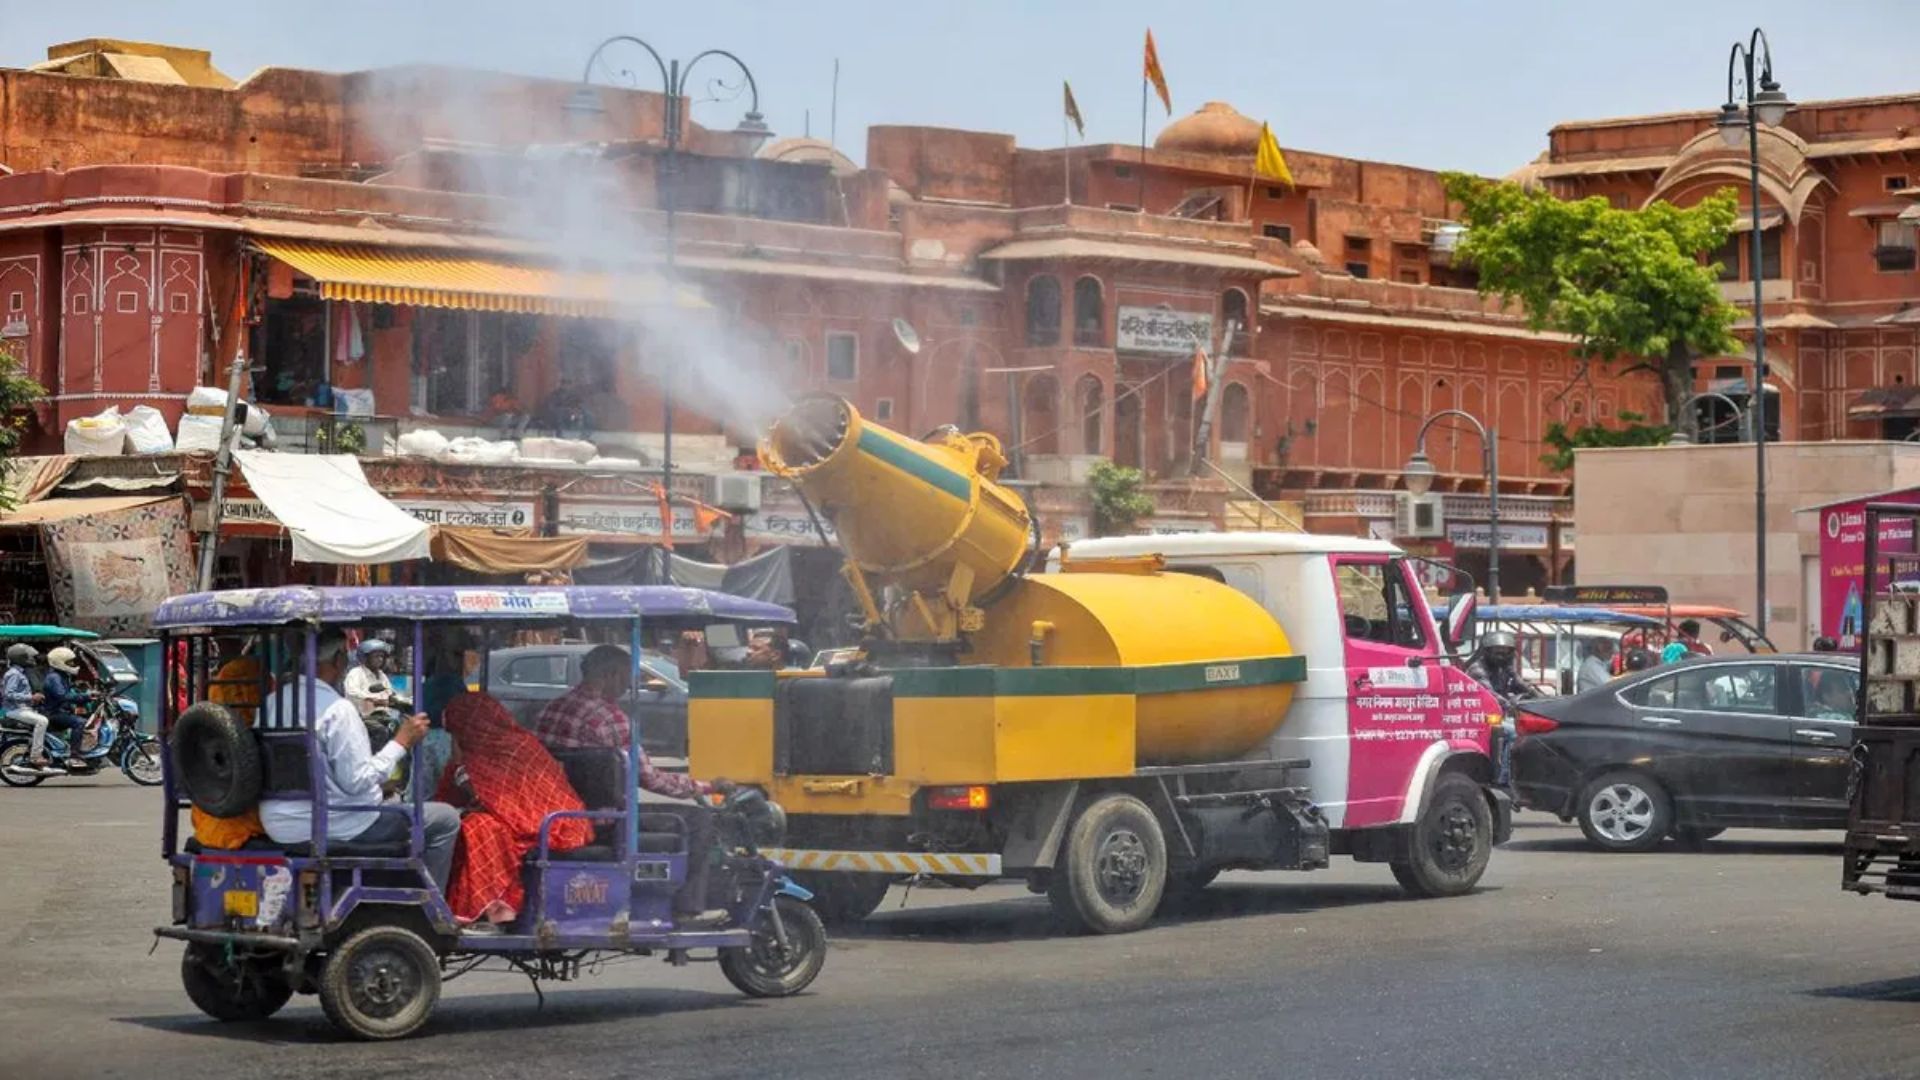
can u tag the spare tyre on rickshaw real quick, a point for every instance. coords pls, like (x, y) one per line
(363, 924)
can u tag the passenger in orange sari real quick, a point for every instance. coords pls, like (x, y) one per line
(507, 783)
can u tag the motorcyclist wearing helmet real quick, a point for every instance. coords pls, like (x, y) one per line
(1494, 666)
(65, 707)
(366, 684)
(20, 702)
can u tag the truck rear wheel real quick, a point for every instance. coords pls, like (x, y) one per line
(1113, 867)
(840, 899)
(1450, 843)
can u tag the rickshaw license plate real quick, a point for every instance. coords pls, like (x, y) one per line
(244, 903)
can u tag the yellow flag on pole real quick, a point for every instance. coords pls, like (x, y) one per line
(1073, 109)
(1154, 75)
(1269, 161)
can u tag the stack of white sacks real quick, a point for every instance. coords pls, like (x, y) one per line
(143, 430)
(533, 450)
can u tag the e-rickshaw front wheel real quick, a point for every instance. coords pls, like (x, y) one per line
(381, 983)
(769, 968)
(233, 987)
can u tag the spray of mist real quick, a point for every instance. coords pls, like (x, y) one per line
(576, 204)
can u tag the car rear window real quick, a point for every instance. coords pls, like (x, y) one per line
(548, 670)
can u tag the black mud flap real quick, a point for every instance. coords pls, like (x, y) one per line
(1501, 803)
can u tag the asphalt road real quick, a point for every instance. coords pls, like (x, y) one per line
(1742, 961)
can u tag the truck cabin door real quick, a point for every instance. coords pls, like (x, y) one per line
(1400, 699)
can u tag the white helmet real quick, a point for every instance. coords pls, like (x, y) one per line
(63, 660)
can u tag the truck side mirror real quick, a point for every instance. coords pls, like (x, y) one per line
(1459, 624)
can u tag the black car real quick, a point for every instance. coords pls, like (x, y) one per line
(1693, 748)
(525, 678)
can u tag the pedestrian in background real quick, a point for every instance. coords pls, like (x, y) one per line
(1687, 644)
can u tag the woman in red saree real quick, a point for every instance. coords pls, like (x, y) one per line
(507, 783)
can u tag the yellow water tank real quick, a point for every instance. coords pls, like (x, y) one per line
(908, 512)
(1211, 671)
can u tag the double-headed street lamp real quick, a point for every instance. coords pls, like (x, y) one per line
(1764, 103)
(1419, 475)
(673, 77)
(1684, 436)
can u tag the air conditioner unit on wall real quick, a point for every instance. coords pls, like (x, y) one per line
(1419, 517)
(736, 492)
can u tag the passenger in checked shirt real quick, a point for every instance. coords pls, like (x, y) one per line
(590, 716)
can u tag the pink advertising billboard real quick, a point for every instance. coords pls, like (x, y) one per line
(1843, 557)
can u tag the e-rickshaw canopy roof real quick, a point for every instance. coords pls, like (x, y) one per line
(42, 632)
(452, 603)
(1561, 614)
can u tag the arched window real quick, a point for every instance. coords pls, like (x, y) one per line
(1233, 308)
(1090, 397)
(1043, 311)
(1236, 421)
(1089, 313)
(1040, 427)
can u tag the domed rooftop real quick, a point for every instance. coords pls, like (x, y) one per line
(816, 151)
(1217, 128)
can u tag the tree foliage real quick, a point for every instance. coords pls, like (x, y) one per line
(1561, 440)
(17, 394)
(1625, 284)
(1119, 497)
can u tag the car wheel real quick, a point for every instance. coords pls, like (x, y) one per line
(1695, 837)
(1624, 810)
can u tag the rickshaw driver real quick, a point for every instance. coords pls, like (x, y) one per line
(354, 772)
(589, 716)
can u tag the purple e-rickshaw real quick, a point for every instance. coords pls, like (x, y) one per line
(362, 924)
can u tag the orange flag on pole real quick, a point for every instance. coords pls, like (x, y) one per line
(1199, 373)
(1154, 75)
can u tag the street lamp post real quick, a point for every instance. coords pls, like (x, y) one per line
(1764, 103)
(1419, 475)
(673, 78)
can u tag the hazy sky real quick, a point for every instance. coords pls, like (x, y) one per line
(1459, 84)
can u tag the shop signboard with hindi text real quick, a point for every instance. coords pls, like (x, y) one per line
(1473, 536)
(1162, 330)
(637, 521)
(480, 513)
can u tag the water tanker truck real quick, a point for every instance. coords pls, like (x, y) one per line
(1147, 712)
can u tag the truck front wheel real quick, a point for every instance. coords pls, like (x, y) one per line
(1113, 867)
(1449, 845)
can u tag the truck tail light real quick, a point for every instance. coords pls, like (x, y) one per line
(974, 797)
(1527, 723)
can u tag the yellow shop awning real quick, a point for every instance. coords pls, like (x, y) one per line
(374, 275)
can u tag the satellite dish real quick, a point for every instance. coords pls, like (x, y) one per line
(907, 336)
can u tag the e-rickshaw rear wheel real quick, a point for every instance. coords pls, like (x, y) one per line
(232, 987)
(768, 969)
(381, 983)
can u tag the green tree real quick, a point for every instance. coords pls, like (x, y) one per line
(1625, 284)
(17, 393)
(1561, 441)
(1119, 497)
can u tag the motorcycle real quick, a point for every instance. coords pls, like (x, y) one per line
(112, 738)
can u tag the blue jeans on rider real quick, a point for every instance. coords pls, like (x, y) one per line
(440, 823)
(70, 728)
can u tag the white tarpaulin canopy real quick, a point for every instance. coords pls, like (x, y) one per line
(332, 513)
